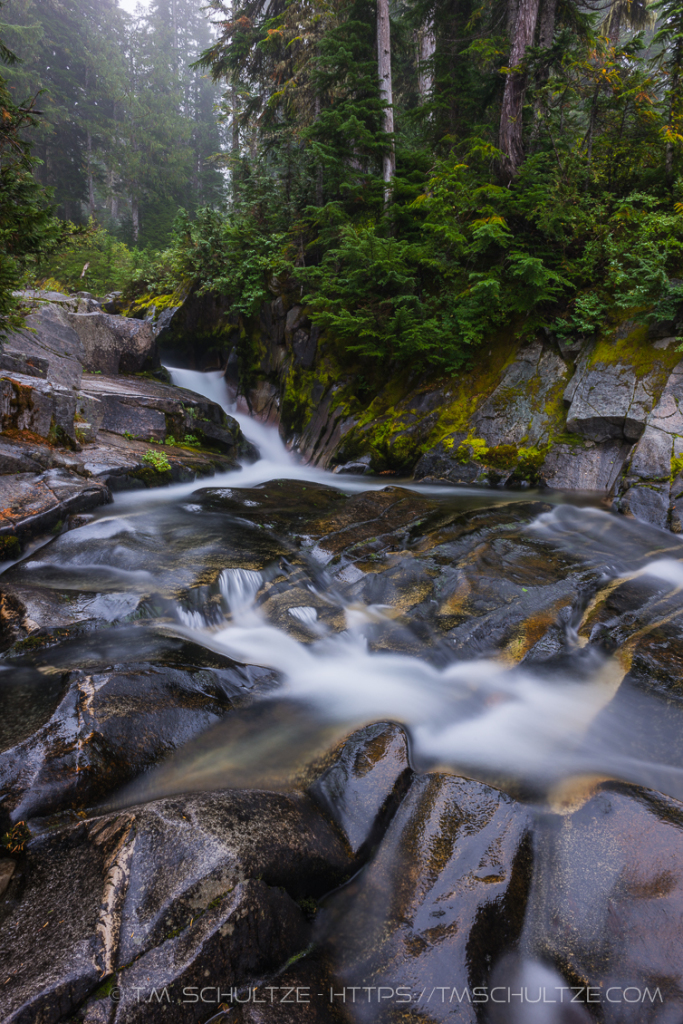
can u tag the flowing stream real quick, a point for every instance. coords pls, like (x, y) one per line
(526, 640)
(522, 722)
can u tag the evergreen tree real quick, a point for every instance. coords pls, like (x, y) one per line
(27, 228)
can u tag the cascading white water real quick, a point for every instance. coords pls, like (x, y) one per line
(276, 462)
(212, 385)
(472, 713)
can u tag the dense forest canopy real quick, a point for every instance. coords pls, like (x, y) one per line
(430, 172)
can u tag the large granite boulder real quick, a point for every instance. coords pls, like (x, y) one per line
(443, 898)
(609, 400)
(651, 486)
(188, 893)
(33, 503)
(516, 411)
(115, 344)
(49, 347)
(156, 897)
(507, 428)
(606, 903)
(585, 465)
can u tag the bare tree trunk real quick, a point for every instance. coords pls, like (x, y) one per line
(546, 32)
(91, 185)
(319, 169)
(546, 35)
(135, 213)
(385, 88)
(614, 25)
(425, 79)
(511, 141)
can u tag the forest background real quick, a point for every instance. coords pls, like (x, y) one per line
(428, 172)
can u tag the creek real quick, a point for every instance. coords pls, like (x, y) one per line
(524, 641)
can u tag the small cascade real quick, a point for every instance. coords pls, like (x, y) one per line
(239, 588)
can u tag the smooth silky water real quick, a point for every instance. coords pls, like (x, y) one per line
(543, 723)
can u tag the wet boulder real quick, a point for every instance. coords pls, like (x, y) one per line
(151, 410)
(115, 344)
(443, 897)
(36, 502)
(606, 903)
(363, 786)
(154, 897)
(108, 728)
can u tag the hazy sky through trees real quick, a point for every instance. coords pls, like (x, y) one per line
(130, 5)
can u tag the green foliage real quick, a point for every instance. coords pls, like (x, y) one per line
(27, 228)
(158, 461)
(224, 255)
(91, 259)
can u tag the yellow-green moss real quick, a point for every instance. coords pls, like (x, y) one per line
(158, 303)
(634, 350)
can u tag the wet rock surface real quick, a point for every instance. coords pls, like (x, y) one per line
(148, 876)
(64, 405)
(444, 896)
(606, 902)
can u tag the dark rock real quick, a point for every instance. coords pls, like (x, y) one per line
(609, 400)
(164, 892)
(37, 406)
(251, 931)
(355, 468)
(108, 728)
(32, 504)
(515, 412)
(444, 896)
(648, 489)
(305, 346)
(7, 869)
(115, 344)
(585, 467)
(149, 409)
(364, 785)
(177, 887)
(649, 504)
(607, 899)
(18, 362)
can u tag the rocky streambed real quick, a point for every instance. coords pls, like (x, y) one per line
(285, 752)
(282, 745)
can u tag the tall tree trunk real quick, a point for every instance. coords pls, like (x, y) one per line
(546, 35)
(511, 141)
(319, 169)
(425, 79)
(614, 26)
(91, 186)
(546, 31)
(385, 87)
(674, 102)
(135, 213)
